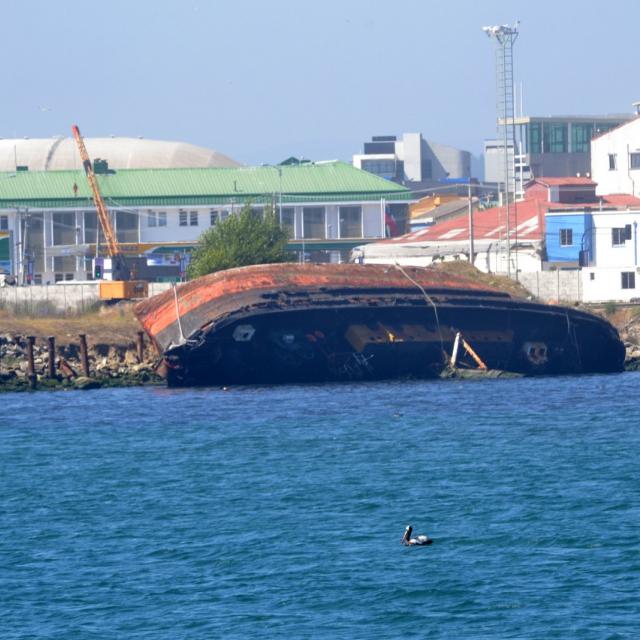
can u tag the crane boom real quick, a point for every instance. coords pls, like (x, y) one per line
(103, 215)
(120, 268)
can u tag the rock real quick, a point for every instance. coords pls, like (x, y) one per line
(85, 383)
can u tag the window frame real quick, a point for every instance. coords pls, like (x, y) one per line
(613, 162)
(194, 219)
(152, 219)
(620, 235)
(628, 279)
(634, 160)
(566, 234)
(183, 218)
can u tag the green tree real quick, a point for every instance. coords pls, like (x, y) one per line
(242, 239)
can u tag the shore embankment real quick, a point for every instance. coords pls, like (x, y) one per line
(104, 348)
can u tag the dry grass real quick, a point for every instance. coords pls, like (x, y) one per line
(461, 268)
(111, 325)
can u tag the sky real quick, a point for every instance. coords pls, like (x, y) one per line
(261, 81)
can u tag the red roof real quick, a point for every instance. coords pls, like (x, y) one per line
(565, 181)
(526, 221)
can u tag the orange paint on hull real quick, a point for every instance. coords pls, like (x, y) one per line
(159, 312)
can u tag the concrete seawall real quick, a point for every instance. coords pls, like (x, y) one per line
(59, 299)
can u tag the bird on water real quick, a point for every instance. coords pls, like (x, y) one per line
(418, 541)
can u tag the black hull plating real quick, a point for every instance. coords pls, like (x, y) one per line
(413, 340)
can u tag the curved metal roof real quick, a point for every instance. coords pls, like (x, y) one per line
(58, 154)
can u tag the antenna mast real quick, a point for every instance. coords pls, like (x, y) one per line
(505, 37)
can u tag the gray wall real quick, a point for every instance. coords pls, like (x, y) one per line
(59, 299)
(556, 286)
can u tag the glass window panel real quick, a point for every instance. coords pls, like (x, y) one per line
(288, 221)
(566, 237)
(634, 160)
(314, 224)
(193, 218)
(64, 227)
(555, 137)
(162, 218)
(350, 222)
(182, 217)
(152, 220)
(126, 226)
(581, 138)
(535, 137)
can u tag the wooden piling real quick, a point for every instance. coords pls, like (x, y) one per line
(31, 368)
(140, 346)
(84, 355)
(51, 364)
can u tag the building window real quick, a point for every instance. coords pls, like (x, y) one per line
(287, 221)
(193, 218)
(126, 223)
(628, 280)
(152, 220)
(566, 237)
(619, 235)
(581, 138)
(351, 222)
(634, 161)
(183, 220)
(535, 137)
(613, 164)
(592, 276)
(213, 218)
(555, 137)
(385, 168)
(4, 223)
(162, 218)
(313, 225)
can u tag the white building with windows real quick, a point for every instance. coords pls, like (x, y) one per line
(614, 271)
(52, 233)
(615, 159)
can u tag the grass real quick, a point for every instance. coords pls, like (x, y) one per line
(114, 324)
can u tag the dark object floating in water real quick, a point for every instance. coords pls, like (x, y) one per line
(418, 541)
(284, 323)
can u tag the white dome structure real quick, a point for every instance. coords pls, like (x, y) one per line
(58, 154)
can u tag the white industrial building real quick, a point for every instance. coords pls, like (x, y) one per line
(412, 160)
(615, 159)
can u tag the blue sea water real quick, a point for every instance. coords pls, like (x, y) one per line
(277, 512)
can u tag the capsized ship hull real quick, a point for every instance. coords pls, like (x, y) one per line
(314, 323)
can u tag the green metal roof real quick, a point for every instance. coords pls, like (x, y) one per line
(330, 181)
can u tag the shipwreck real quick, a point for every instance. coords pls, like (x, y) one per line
(287, 323)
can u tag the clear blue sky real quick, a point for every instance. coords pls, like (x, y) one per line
(264, 80)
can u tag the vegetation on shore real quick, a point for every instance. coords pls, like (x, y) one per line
(239, 241)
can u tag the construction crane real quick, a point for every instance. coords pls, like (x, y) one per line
(121, 286)
(119, 268)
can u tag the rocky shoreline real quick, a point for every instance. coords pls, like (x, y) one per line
(110, 365)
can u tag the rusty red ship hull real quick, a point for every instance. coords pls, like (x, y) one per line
(314, 323)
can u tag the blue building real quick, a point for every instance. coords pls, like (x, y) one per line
(567, 234)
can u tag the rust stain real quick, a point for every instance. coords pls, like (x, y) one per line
(157, 313)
